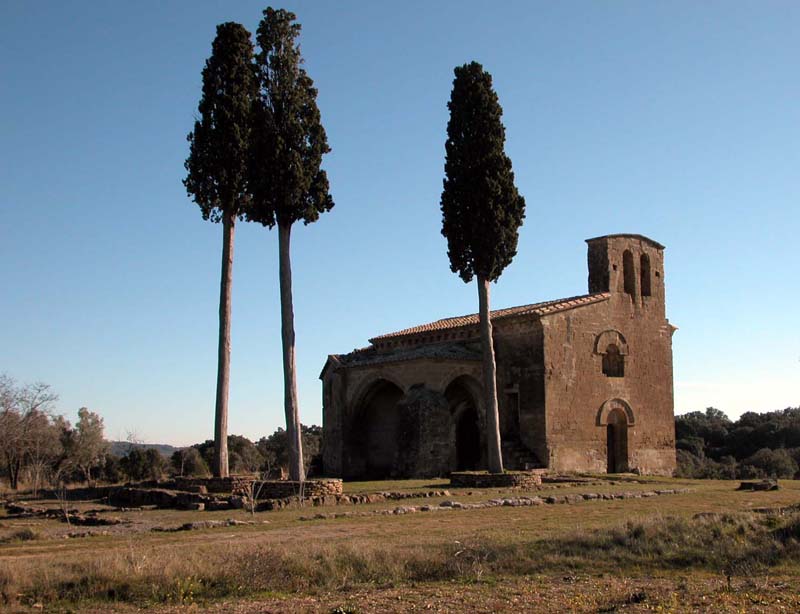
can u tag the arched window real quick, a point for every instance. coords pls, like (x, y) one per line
(628, 273)
(644, 271)
(613, 362)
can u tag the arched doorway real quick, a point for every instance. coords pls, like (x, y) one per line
(375, 433)
(468, 447)
(617, 441)
(468, 440)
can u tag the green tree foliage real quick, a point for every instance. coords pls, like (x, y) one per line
(286, 180)
(710, 445)
(481, 210)
(772, 463)
(481, 207)
(217, 179)
(143, 464)
(245, 457)
(189, 462)
(84, 445)
(275, 450)
(112, 469)
(219, 143)
(289, 140)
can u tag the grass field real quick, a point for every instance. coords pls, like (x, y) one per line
(705, 550)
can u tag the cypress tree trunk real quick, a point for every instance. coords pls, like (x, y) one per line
(291, 408)
(495, 456)
(220, 468)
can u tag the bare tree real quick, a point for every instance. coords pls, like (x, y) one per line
(28, 437)
(10, 429)
(42, 447)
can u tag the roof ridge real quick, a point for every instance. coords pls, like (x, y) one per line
(543, 308)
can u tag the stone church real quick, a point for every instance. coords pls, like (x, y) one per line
(584, 383)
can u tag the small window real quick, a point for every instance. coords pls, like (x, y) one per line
(644, 271)
(628, 273)
(613, 362)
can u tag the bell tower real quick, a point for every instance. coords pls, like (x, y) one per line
(630, 267)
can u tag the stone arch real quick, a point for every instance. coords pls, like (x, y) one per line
(610, 337)
(463, 395)
(616, 417)
(374, 433)
(366, 388)
(467, 383)
(612, 405)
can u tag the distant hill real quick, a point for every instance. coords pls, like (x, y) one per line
(120, 448)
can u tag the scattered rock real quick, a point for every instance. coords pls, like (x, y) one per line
(76, 534)
(768, 484)
(504, 502)
(205, 524)
(92, 520)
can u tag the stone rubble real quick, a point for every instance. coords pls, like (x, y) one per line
(208, 524)
(446, 505)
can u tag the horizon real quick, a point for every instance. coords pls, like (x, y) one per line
(677, 122)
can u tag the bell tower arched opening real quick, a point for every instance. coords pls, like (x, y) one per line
(628, 273)
(644, 272)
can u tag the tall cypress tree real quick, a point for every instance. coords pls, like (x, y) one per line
(287, 182)
(217, 181)
(481, 211)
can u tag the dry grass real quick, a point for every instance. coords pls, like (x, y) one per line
(650, 536)
(20, 535)
(730, 545)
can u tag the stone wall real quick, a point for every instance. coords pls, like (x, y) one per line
(282, 489)
(520, 384)
(424, 441)
(235, 484)
(423, 420)
(509, 479)
(576, 388)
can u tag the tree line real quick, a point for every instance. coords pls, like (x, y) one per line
(255, 154)
(39, 448)
(756, 445)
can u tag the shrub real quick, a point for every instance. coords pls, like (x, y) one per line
(773, 463)
(189, 462)
(22, 535)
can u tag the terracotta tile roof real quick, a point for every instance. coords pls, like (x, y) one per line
(538, 309)
(438, 351)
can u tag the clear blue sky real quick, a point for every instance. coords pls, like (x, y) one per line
(677, 120)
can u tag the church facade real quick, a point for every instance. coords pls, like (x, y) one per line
(584, 383)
